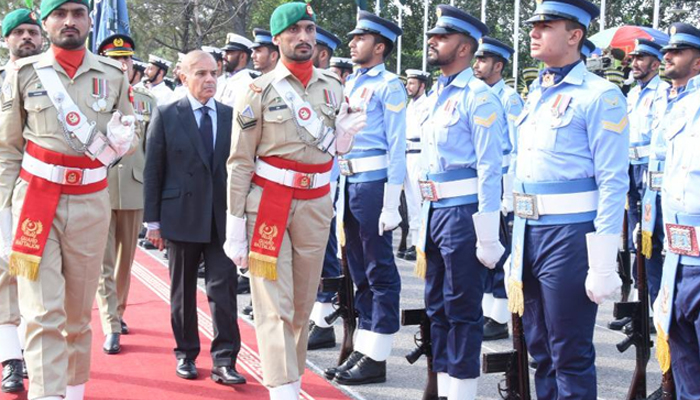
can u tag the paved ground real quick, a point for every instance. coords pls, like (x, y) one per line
(406, 382)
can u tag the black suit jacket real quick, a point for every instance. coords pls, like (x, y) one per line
(181, 189)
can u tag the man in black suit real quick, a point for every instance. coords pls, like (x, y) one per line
(185, 210)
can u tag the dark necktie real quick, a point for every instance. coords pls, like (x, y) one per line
(207, 132)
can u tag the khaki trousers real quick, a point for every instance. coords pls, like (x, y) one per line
(115, 280)
(9, 309)
(57, 306)
(282, 307)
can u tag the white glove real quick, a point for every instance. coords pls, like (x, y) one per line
(347, 124)
(635, 232)
(120, 132)
(390, 218)
(507, 202)
(602, 280)
(236, 244)
(5, 234)
(488, 247)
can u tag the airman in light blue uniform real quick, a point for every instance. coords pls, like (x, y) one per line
(570, 187)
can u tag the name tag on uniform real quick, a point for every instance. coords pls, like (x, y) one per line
(37, 93)
(682, 240)
(278, 107)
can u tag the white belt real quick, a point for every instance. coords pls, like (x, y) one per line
(639, 152)
(290, 178)
(683, 239)
(365, 164)
(62, 175)
(411, 145)
(532, 206)
(434, 191)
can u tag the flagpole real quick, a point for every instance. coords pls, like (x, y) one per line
(398, 55)
(426, 4)
(377, 7)
(602, 15)
(516, 43)
(483, 11)
(656, 13)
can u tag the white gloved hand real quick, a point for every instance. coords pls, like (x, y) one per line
(488, 246)
(602, 281)
(120, 132)
(635, 236)
(347, 124)
(507, 201)
(5, 234)
(390, 218)
(236, 244)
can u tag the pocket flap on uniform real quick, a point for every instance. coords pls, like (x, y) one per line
(277, 115)
(37, 103)
(563, 120)
(170, 194)
(138, 177)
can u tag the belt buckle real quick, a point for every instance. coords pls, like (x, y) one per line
(682, 240)
(303, 181)
(633, 153)
(428, 190)
(525, 206)
(345, 167)
(72, 176)
(656, 179)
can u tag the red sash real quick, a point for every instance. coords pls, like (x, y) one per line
(273, 213)
(39, 208)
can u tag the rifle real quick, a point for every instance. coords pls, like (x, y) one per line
(514, 363)
(624, 261)
(638, 311)
(422, 339)
(343, 286)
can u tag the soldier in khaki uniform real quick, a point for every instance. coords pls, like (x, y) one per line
(126, 197)
(22, 33)
(282, 150)
(57, 193)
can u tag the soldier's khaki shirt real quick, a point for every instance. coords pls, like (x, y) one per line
(27, 113)
(264, 126)
(126, 178)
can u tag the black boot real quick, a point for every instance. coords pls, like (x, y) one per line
(494, 331)
(12, 379)
(618, 324)
(349, 363)
(112, 343)
(321, 338)
(243, 285)
(124, 327)
(248, 310)
(365, 371)
(410, 254)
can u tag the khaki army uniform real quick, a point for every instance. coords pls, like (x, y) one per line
(126, 199)
(57, 305)
(264, 126)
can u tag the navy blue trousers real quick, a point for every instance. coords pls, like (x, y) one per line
(495, 280)
(559, 317)
(684, 335)
(454, 289)
(371, 259)
(654, 265)
(331, 265)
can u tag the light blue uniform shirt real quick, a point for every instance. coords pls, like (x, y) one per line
(512, 106)
(640, 107)
(587, 138)
(681, 184)
(384, 97)
(666, 115)
(463, 129)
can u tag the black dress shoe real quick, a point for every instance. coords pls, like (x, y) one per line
(401, 254)
(227, 375)
(125, 327)
(201, 273)
(321, 338)
(12, 379)
(112, 345)
(243, 285)
(494, 331)
(618, 324)
(146, 244)
(410, 254)
(352, 359)
(186, 369)
(365, 371)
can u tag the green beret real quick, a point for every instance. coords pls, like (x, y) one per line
(47, 6)
(17, 18)
(289, 14)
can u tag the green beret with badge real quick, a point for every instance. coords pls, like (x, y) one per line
(17, 18)
(289, 14)
(48, 6)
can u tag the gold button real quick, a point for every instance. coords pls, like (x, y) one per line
(121, 165)
(38, 108)
(72, 82)
(279, 118)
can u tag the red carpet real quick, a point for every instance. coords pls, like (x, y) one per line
(145, 369)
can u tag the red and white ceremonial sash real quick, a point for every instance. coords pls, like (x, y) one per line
(39, 207)
(273, 213)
